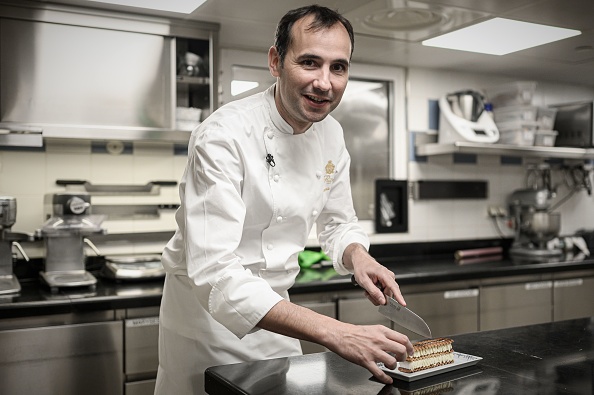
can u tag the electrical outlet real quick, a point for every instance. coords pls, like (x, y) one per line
(497, 212)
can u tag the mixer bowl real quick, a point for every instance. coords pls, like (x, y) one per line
(541, 226)
(467, 104)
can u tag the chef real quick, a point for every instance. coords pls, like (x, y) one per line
(260, 173)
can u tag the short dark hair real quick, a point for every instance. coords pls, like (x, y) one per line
(324, 18)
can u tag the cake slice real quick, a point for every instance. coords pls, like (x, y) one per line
(428, 354)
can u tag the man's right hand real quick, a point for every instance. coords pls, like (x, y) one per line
(367, 345)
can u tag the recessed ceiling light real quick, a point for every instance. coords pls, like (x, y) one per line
(500, 36)
(181, 6)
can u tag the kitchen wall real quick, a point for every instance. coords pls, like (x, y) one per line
(468, 219)
(30, 174)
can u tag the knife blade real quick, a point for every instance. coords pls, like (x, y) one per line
(401, 315)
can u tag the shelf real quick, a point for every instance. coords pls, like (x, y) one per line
(464, 147)
(184, 79)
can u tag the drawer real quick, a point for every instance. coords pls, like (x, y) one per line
(145, 387)
(515, 305)
(64, 359)
(141, 345)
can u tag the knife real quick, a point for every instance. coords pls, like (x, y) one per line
(401, 315)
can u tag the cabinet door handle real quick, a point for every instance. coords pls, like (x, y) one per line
(534, 286)
(461, 293)
(572, 282)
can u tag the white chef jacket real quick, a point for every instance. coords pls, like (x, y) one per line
(241, 225)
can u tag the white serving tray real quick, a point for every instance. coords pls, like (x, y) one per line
(460, 361)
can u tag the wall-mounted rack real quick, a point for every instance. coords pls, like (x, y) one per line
(150, 188)
(504, 149)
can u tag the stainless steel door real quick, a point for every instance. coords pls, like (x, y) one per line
(66, 360)
(360, 311)
(511, 305)
(573, 298)
(325, 308)
(141, 345)
(446, 312)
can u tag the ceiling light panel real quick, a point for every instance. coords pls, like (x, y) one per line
(179, 6)
(500, 36)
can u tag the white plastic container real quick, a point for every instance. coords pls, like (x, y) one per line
(545, 138)
(517, 132)
(546, 118)
(515, 113)
(518, 93)
(188, 114)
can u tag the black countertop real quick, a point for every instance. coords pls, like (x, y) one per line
(553, 358)
(423, 268)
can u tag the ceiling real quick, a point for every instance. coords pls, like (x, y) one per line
(250, 24)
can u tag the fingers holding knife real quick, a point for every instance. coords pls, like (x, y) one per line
(376, 290)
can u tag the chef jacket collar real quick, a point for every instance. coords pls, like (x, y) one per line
(277, 120)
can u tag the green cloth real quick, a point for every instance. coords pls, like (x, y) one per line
(309, 258)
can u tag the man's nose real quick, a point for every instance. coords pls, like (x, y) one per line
(322, 82)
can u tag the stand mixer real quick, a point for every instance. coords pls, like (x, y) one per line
(9, 284)
(64, 234)
(534, 224)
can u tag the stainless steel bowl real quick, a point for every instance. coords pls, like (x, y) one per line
(467, 104)
(542, 226)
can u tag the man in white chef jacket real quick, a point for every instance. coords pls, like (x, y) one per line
(261, 172)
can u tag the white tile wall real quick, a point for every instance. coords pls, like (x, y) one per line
(28, 176)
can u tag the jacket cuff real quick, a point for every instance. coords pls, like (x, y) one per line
(240, 303)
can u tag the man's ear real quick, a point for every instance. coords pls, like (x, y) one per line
(273, 62)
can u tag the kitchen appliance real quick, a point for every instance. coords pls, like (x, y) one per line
(133, 267)
(9, 284)
(463, 118)
(65, 234)
(574, 123)
(534, 224)
(402, 316)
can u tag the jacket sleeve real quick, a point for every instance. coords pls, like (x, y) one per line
(214, 217)
(337, 225)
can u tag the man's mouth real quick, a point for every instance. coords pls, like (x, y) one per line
(317, 99)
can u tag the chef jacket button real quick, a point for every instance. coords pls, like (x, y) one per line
(276, 177)
(270, 134)
(314, 213)
(279, 219)
(318, 174)
(270, 246)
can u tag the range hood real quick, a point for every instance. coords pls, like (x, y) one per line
(73, 73)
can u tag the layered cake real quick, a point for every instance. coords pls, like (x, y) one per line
(428, 354)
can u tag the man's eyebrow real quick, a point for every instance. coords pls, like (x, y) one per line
(305, 56)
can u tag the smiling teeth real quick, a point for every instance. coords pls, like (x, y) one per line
(316, 100)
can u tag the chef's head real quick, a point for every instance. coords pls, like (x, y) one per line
(310, 59)
(321, 18)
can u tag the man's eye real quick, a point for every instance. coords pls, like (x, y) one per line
(308, 63)
(339, 68)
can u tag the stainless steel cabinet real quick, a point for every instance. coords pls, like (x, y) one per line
(446, 312)
(573, 296)
(360, 311)
(65, 359)
(141, 350)
(325, 308)
(515, 304)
